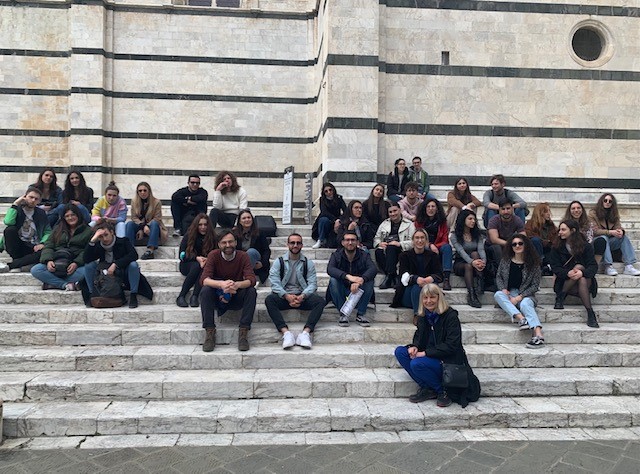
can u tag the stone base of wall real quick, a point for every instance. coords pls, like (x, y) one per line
(1, 432)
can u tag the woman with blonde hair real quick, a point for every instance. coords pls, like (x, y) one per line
(437, 341)
(146, 220)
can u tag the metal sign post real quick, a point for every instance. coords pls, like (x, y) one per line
(287, 196)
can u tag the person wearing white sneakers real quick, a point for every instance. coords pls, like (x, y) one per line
(294, 283)
(606, 225)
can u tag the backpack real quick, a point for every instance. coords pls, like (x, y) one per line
(305, 270)
(108, 290)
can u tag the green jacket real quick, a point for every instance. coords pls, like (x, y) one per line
(15, 216)
(76, 244)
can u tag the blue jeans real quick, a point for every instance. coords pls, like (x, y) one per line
(131, 229)
(446, 257)
(339, 291)
(425, 371)
(411, 297)
(489, 213)
(537, 244)
(527, 307)
(615, 243)
(40, 272)
(254, 257)
(132, 276)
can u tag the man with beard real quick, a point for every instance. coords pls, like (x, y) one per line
(187, 203)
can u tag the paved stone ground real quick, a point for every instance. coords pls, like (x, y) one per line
(616, 456)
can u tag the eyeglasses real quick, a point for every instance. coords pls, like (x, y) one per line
(195, 182)
(295, 244)
(517, 244)
(350, 240)
(607, 201)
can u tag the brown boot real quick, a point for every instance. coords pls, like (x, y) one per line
(210, 340)
(243, 339)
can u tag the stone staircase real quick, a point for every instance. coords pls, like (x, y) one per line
(68, 371)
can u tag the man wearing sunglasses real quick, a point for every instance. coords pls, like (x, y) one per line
(293, 284)
(500, 228)
(187, 203)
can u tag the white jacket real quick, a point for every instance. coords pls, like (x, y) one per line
(231, 202)
(405, 233)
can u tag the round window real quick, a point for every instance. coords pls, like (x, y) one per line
(591, 43)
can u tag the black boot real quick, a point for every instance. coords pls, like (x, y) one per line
(592, 322)
(559, 301)
(388, 282)
(478, 284)
(446, 285)
(472, 299)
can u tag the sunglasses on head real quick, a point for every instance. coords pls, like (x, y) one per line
(517, 244)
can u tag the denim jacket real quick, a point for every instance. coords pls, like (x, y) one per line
(309, 286)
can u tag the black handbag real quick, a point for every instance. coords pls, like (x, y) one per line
(62, 258)
(455, 376)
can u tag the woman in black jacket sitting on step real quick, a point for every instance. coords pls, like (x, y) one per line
(437, 341)
(572, 261)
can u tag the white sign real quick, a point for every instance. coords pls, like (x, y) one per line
(287, 196)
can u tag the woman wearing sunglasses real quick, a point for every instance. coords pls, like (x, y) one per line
(606, 225)
(518, 280)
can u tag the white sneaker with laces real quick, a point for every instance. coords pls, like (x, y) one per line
(317, 245)
(609, 270)
(631, 270)
(288, 340)
(4, 268)
(304, 340)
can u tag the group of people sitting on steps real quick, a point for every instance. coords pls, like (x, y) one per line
(410, 237)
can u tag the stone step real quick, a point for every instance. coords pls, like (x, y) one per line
(324, 415)
(159, 279)
(342, 382)
(170, 313)
(371, 356)
(33, 295)
(264, 333)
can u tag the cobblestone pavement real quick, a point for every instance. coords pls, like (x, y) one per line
(463, 457)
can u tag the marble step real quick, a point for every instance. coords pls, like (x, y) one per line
(33, 295)
(170, 313)
(359, 415)
(173, 278)
(264, 333)
(342, 382)
(365, 355)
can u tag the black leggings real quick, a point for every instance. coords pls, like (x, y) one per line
(466, 270)
(579, 288)
(191, 270)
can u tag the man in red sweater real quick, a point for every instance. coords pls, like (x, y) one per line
(227, 283)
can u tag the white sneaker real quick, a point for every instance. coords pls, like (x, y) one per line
(304, 340)
(630, 270)
(317, 245)
(609, 270)
(4, 268)
(288, 340)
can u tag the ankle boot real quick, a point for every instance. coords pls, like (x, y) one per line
(477, 285)
(559, 301)
(592, 322)
(472, 299)
(388, 282)
(210, 340)
(243, 339)
(446, 285)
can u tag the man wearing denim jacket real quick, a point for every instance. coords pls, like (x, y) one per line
(294, 283)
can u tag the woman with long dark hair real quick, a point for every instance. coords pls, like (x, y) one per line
(573, 263)
(518, 280)
(332, 208)
(229, 198)
(199, 240)
(251, 240)
(437, 341)
(397, 180)
(606, 226)
(77, 192)
(431, 217)
(460, 199)
(51, 200)
(471, 258)
(375, 208)
(146, 220)
(65, 246)
(354, 221)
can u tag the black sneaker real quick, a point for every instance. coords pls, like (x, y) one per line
(194, 301)
(182, 302)
(363, 321)
(523, 325)
(343, 321)
(443, 399)
(133, 300)
(535, 342)
(148, 255)
(423, 394)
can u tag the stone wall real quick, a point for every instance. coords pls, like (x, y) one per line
(148, 91)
